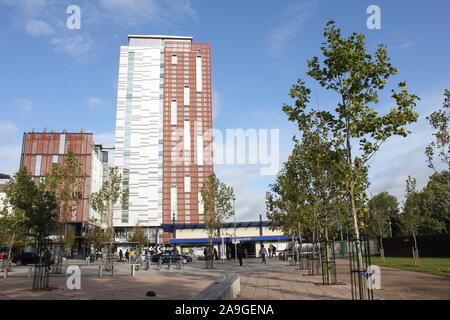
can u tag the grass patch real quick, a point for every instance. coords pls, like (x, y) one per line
(437, 266)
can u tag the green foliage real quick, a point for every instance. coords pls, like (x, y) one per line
(382, 208)
(65, 180)
(439, 121)
(357, 78)
(13, 230)
(139, 236)
(97, 237)
(216, 198)
(411, 217)
(306, 196)
(427, 211)
(69, 239)
(36, 205)
(107, 197)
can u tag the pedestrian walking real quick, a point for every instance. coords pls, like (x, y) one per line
(127, 255)
(120, 255)
(47, 260)
(270, 251)
(274, 251)
(240, 254)
(263, 253)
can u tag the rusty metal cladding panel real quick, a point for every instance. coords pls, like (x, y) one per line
(199, 114)
(47, 145)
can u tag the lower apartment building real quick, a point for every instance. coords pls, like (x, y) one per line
(42, 150)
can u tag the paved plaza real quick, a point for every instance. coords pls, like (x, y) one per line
(275, 280)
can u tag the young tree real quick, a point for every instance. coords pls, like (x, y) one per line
(97, 237)
(357, 130)
(106, 198)
(435, 205)
(39, 208)
(217, 201)
(13, 230)
(139, 236)
(65, 180)
(439, 121)
(411, 216)
(37, 205)
(382, 207)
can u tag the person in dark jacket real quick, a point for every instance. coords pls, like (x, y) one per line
(240, 253)
(127, 255)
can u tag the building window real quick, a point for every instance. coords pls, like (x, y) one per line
(62, 143)
(187, 96)
(198, 73)
(37, 167)
(174, 59)
(173, 112)
(187, 183)
(187, 134)
(55, 159)
(173, 202)
(201, 206)
(199, 150)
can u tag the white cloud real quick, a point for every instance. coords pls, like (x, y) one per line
(38, 28)
(10, 158)
(76, 46)
(400, 157)
(296, 16)
(7, 129)
(249, 188)
(107, 139)
(48, 18)
(406, 45)
(22, 105)
(97, 103)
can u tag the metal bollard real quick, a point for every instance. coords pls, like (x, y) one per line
(88, 260)
(100, 271)
(132, 270)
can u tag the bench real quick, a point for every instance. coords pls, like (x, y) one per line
(226, 288)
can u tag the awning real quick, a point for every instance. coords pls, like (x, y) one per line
(230, 239)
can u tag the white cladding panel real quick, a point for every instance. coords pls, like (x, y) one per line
(139, 125)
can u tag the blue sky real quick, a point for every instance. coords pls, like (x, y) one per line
(66, 79)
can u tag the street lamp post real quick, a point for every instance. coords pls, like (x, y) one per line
(234, 215)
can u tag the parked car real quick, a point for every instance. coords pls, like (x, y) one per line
(3, 254)
(28, 258)
(170, 256)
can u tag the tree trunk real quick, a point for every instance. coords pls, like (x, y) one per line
(11, 244)
(327, 257)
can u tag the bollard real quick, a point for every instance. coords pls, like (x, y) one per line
(100, 271)
(88, 260)
(6, 274)
(132, 270)
(30, 269)
(112, 271)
